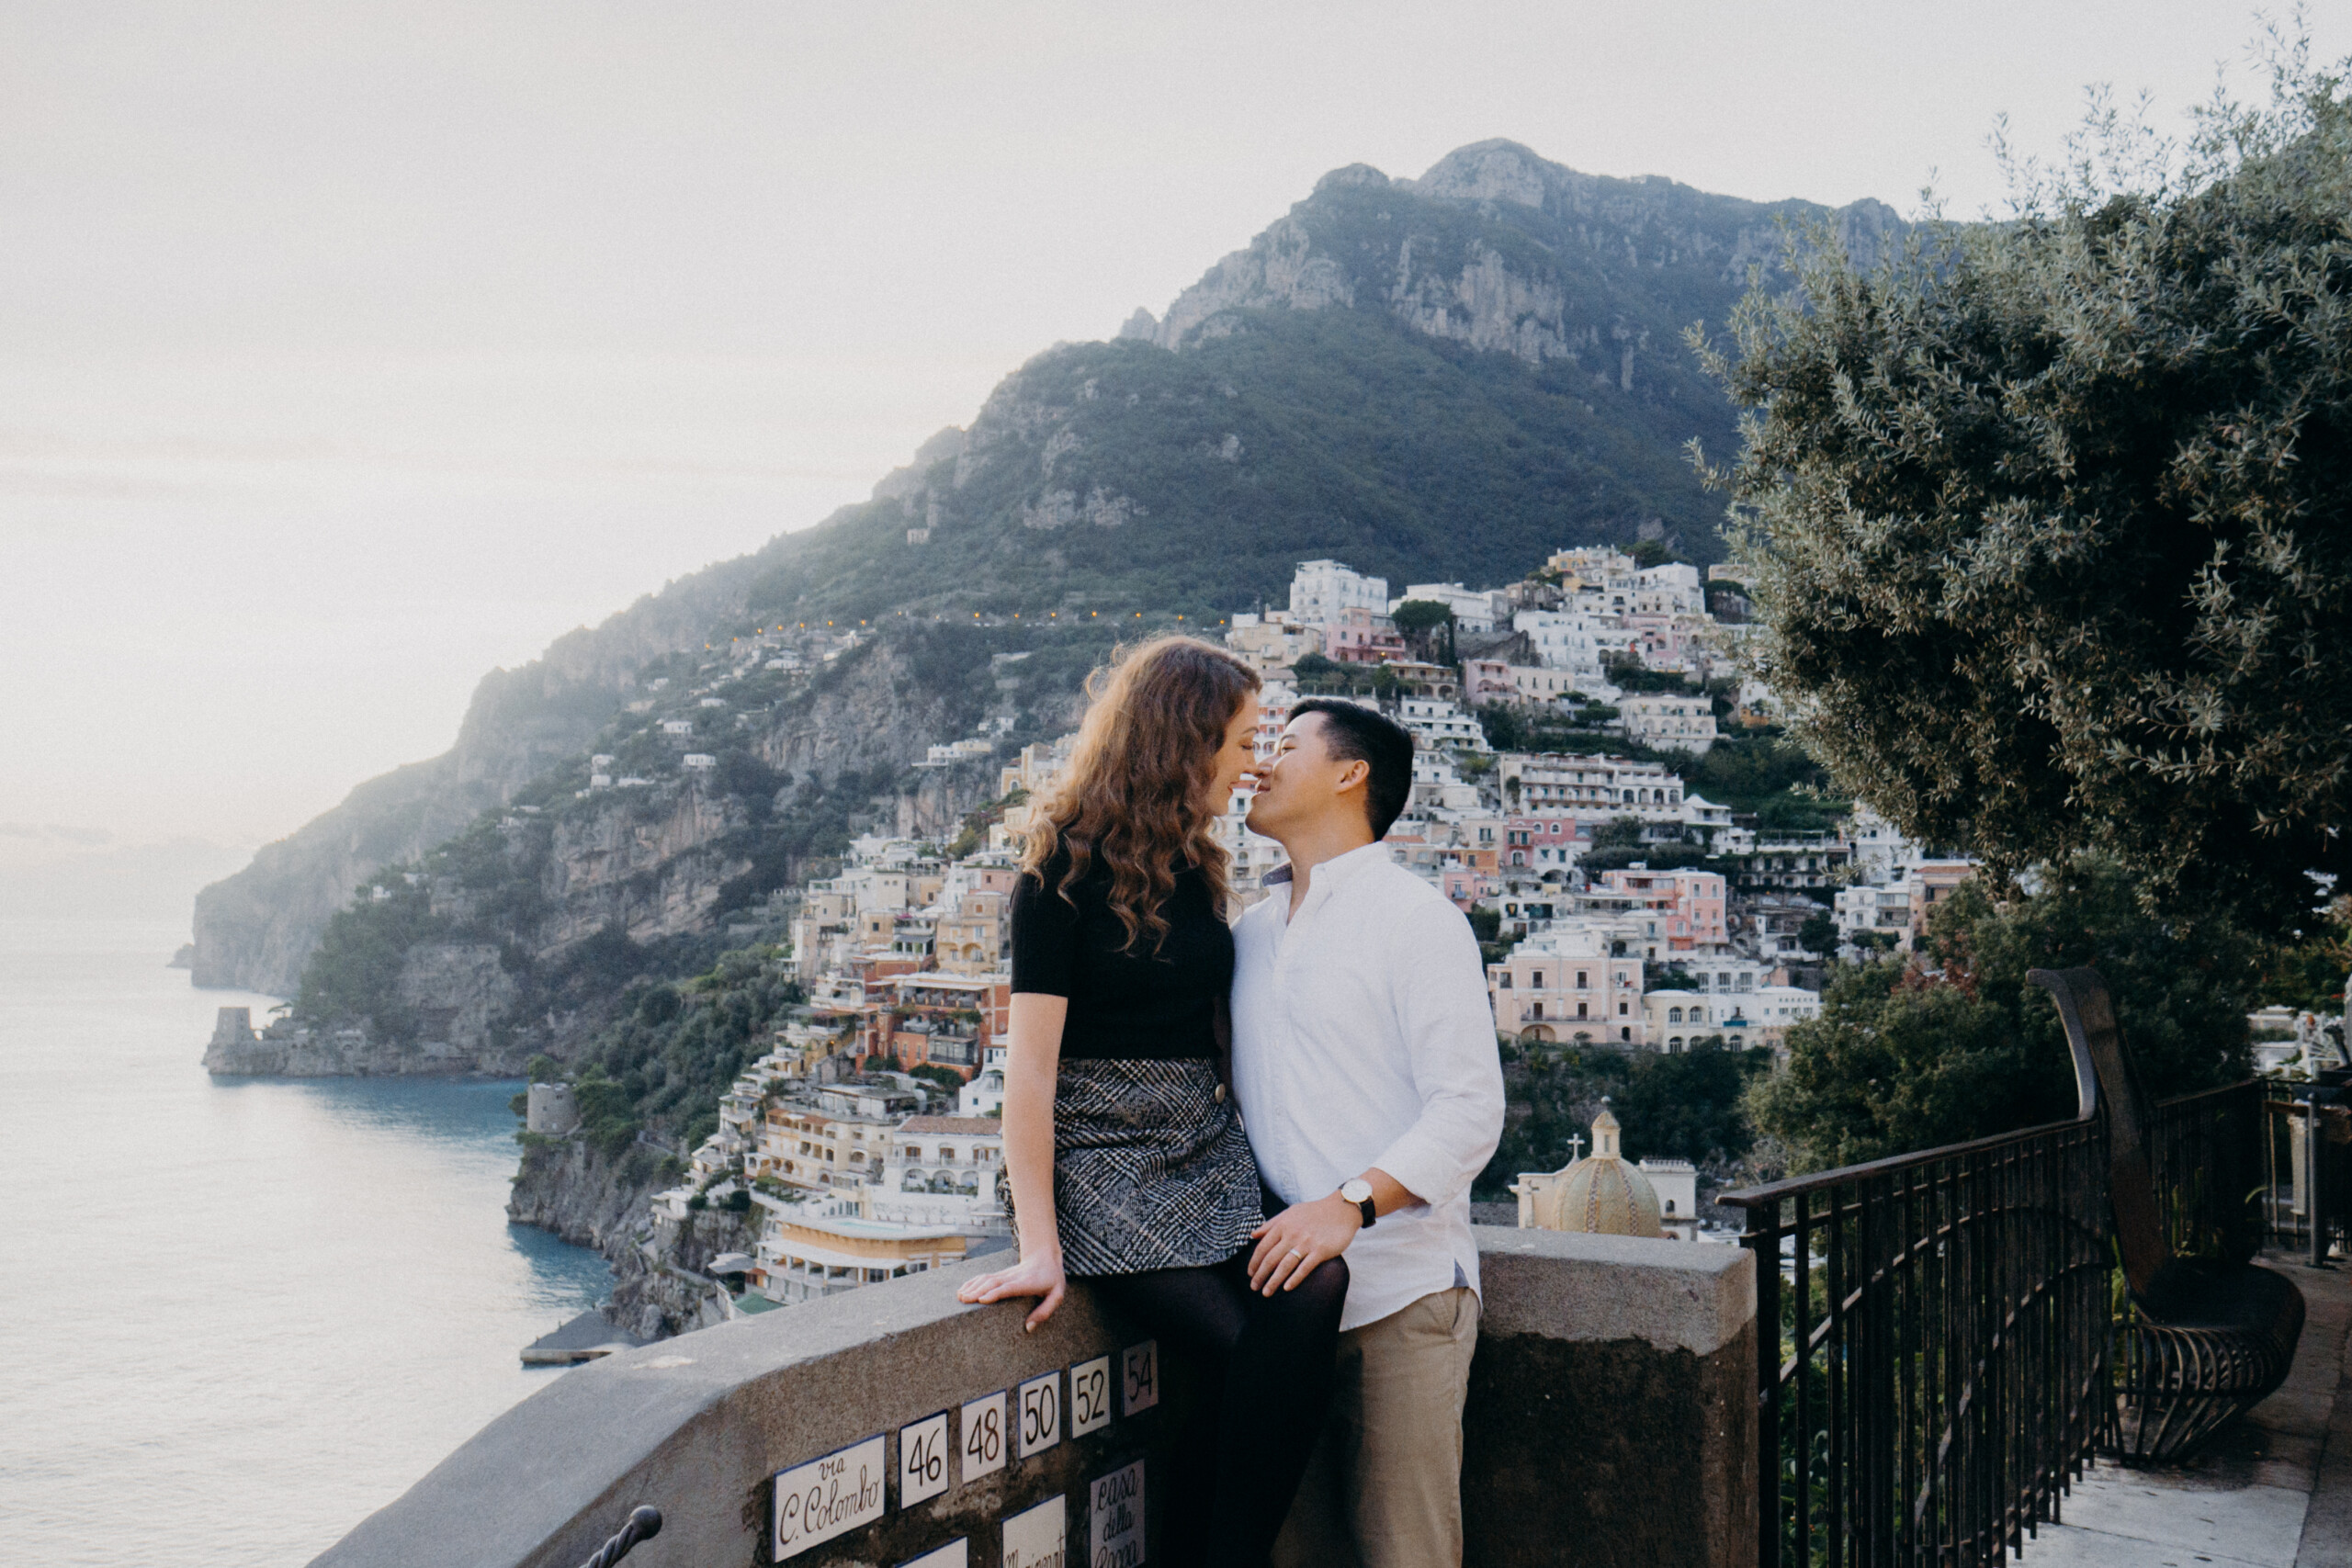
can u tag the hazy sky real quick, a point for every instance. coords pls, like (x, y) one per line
(348, 350)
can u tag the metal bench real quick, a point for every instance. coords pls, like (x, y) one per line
(2205, 1339)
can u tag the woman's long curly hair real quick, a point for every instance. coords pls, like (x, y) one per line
(1131, 795)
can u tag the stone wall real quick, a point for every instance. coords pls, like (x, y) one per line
(1612, 1420)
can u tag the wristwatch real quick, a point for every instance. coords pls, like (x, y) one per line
(1359, 1192)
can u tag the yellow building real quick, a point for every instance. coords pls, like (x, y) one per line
(805, 1256)
(1604, 1192)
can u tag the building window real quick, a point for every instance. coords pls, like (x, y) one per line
(1581, 983)
(1674, 1015)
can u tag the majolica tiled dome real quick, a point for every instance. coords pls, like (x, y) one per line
(1604, 1193)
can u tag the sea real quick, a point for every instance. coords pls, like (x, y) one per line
(236, 1316)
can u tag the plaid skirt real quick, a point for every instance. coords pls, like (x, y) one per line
(1151, 1168)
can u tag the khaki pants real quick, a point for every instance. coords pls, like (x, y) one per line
(1384, 1488)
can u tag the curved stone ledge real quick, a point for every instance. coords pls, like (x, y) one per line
(1611, 1413)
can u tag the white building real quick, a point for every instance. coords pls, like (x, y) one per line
(1669, 589)
(942, 1170)
(1879, 910)
(984, 1096)
(1437, 725)
(1676, 1182)
(1578, 641)
(1320, 590)
(1475, 610)
(677, 726)
(1589, 786)
(699, 761)
(1669, 722)
(1881, 852)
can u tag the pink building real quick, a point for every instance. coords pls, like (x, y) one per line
(1543, 840)
(1361, 636)
(1568, 991)
(1486, 681)
(1691, 902)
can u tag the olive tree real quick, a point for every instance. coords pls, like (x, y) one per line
(2051, 511)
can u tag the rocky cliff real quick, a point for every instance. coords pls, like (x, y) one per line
(255, 931)
(718, 788)
(1432, 379)
(590, 1201)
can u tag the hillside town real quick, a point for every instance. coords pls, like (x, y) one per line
(868, 1137)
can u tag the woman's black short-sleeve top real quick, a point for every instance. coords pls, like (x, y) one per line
(1139, 1002)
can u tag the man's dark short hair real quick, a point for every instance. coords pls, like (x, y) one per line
(1355, 733)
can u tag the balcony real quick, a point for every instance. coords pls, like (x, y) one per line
(1598, 1356)
(1937, 1387)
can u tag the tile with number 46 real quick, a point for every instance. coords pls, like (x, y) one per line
(922, 1460)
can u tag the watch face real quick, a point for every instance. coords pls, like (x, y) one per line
(1356, 1191)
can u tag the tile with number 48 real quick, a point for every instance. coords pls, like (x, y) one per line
(983, 1444)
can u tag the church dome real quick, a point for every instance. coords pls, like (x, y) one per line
(1604, 1193)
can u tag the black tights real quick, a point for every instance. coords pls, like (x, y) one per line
(1268, 1364)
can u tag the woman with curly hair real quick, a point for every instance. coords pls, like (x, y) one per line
(1128, 1165)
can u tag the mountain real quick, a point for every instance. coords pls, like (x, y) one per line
(1435, 379)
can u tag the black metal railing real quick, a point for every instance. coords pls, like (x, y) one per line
(2305, 1179)
(1945, 1325)
(2205, 1157)
(1943, 1365)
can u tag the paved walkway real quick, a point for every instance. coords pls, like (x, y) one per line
(2275, 1493)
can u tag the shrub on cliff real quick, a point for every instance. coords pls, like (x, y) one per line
(354, 975)
(2049, 513)
(1912, 1055)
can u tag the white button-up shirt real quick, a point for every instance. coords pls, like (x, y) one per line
(1362, 1037)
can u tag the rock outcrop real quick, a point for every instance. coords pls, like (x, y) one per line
(1494, 247)
(256, 929)
(661, 1286)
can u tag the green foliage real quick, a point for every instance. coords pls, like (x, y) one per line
(945, 1077)
(1315, 673)
(608, 1116)
(1904, 1058)
(543, 1068)
(1751, 773)
(1526, 727)
(1819, 932)
(2308, 974)
(1418, 616)
(2049, 511)
(669, 1056)
(1633, 675)
(354, 975)
(1686, 1106)
(1117, 476)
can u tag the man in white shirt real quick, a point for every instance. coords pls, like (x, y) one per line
(1364, 1061)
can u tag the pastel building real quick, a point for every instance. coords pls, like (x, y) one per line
(1564, 986)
